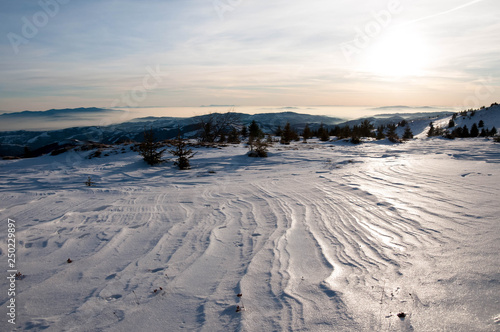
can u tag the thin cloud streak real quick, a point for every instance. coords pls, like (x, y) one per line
(442, 13)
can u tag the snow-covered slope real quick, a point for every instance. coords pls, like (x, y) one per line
(317, 237)
(490, 116)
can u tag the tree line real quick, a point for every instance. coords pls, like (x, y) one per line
(478, 129)
(224, 128)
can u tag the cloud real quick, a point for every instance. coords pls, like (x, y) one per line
(432, 16)
(256, 52)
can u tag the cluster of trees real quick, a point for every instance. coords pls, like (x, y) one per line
(222, 128)
(435, 131)
(152, 151)
(216, 127)
(462, 132)
(453, 131)
(226, 128)
(476, 130)
(356, 132)
(287, 134)
(366, 129)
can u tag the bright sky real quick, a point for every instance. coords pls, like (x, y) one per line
(106, 53)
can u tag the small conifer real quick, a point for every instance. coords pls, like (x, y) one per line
(182, 152)
(408, 134)
(148, 149)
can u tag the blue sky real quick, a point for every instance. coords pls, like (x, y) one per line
(68, 53)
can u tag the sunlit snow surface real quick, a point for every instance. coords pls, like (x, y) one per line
(317, 237)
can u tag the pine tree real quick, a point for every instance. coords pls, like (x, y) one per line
(27, 152)
(325, 136)
(457, 132)
(335, 131)
(355, 139)
(451, 123)
(365, 129)
(344, 132)
(323, 133)
(380, 132)
(408, 134)
(244, 131)
(278, 131)
(89, 182)
(465, 132)
(182, 153)
(148, 149)
(480, 124)
(391, 133)
(288, 134)
(474, 131)
(431, 131)
(306, 134)
(254, 130)
(233, 136)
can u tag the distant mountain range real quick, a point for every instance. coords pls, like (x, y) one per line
(14, 142)
(57, 118)
(66, 112)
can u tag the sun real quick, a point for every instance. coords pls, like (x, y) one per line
(397, 53)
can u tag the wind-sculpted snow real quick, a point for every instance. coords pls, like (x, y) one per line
(317, 237)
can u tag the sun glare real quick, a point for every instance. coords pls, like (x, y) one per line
(397, 54)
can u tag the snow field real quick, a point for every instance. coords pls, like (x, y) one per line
(317, 237)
